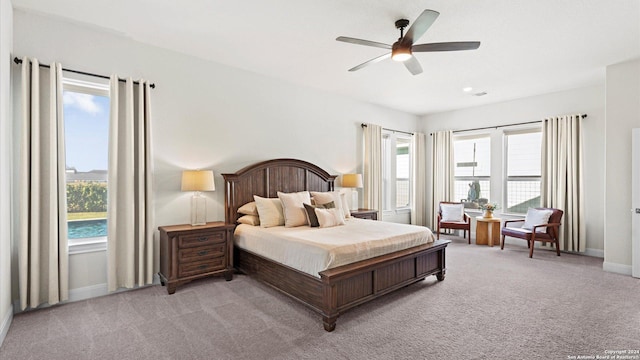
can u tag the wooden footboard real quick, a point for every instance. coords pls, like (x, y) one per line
(344, 287)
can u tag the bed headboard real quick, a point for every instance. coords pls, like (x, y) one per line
(267, 178)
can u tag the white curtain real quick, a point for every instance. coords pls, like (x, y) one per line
(419, 191)
(441, 171)
(373, 167)
(130, 209)
(562, 185)
(43, 269)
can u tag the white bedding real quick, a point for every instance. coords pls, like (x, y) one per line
(312, 250)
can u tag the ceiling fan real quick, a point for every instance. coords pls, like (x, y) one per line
(403, 49)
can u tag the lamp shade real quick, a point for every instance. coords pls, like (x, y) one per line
(352, 180)
(197, 180)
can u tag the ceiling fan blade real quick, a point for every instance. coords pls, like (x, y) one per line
(363, 42)
(446, 46)
(419, 27)
(413, 65)
(372, 61)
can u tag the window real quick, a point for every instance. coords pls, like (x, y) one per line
(86, 128)
(472, 158)
(396, 170)
(523, 170)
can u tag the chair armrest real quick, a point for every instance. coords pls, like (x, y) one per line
(467, 218)
(551, 225)
(512, 221)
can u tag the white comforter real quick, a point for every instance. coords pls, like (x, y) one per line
(312, 250)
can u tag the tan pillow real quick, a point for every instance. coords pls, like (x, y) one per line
(329, 217)
(269, 211)
(325, 197)
(248, 209)
(249, 220)
(293, 208)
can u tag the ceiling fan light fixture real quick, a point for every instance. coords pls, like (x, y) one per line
(400, 53)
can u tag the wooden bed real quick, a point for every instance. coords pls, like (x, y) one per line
(338, 289)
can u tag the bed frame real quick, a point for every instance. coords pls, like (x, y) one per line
(338, 289)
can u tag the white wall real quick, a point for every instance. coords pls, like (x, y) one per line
(588, 100)
(6, 27)
(623, 114)
(207, 115)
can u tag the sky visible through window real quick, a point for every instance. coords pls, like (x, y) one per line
(86, 131)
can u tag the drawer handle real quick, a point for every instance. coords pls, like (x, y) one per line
(202, 238)
(203, 252)
(202, 266)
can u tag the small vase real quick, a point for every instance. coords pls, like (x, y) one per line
(487, 214)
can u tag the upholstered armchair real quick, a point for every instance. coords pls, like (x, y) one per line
(540, 224)
(451, 215)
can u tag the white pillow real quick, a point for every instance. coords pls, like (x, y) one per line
(249, 220)
(345, 205)
(248, 209)
(329, 217)
(293, 208)
(452, 212)
(270, 211)
(325, 197)
(537, 217)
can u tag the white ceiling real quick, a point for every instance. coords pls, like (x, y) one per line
(528, 47)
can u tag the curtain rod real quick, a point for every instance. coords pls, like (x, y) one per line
(19, 61)
(501, 126)
(399, 131)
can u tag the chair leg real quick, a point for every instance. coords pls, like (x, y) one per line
(438, 233)
(502, 243)
(468, 236)
(557, 246)
(533, 241)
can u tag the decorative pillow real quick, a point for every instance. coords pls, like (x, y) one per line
(249, 220)
(294, 213)
(325, 197)
(452, 212)
(248, 209)
(270, 211)
(329, 217)
(312, 219)
(537, 217)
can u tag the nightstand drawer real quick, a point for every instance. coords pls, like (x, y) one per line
(195, 268)
(200, 239)
(201, 252)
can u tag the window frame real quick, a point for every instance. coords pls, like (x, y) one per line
(92, 244)
(389, 171)
(468, 178)
(505, 174)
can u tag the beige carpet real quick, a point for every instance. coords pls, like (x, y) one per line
(492, 305)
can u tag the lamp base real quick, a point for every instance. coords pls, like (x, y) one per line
(198, 209)
(354, 199)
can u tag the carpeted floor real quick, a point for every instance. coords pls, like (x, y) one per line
(492, 305)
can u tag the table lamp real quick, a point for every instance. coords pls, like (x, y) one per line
(198, 181)
(353, 181)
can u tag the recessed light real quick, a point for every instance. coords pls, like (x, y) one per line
(467, 89)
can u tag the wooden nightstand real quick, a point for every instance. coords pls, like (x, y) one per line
(365, 214)
(193, 252)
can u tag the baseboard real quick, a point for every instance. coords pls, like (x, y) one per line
(617, 268)
(6, 322)
(88, 292)
(594, 253)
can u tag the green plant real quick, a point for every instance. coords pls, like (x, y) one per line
(86, 196)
